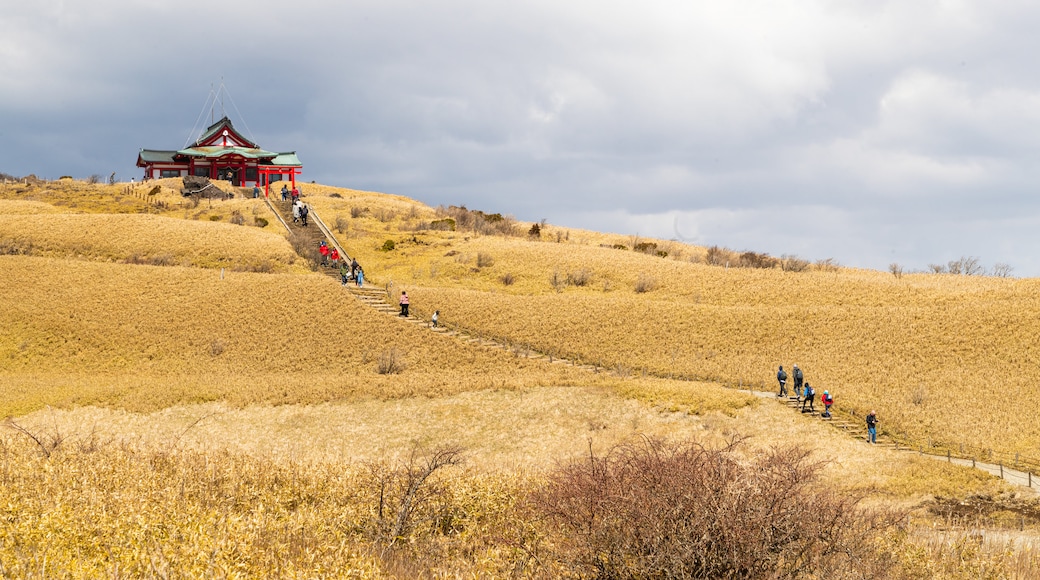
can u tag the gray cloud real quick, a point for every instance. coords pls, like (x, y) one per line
(871, 132)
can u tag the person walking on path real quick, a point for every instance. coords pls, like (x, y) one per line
(295, 195)
(256, 191)
(827, 401)
(872, 422)
(344, 273)
(810, 398)
(798, 378)
(304, 210)
(354, 267)
(295, 212)
(781, 377)
(436, 317)
(285, 193)
(360, 277)
(323, 249)
(334, 257)
(404, 303)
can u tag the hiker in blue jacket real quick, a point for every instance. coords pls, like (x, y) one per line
(781, 377)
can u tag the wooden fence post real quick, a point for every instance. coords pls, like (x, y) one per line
(948, 460)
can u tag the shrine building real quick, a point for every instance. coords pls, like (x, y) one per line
(222, 153)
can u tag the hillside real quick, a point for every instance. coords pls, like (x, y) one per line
(189, 347)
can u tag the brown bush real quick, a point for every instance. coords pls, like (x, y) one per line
(719, 256)
(653, 510)
(756, 260)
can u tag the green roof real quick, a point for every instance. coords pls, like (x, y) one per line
(215, 151)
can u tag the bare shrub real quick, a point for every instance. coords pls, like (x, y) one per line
(306, 250)
(645, 283)
(165, 259)
(237, 218)
(485, 260)
(654, 510)
(391, 362)
(94, 179)
(356, 212)
(557, 281)
(792, 263)
(535, 231)
(342, 224)
(385, 215)
(46, 443)
(1002, 270)
(896, 270)
(937, 269)
(260, 222)
(756, 260)
(580, 278)
(216, 348)
(508, 279)
(409, 492)
(827, 265)
(966, 266)
(719, 256)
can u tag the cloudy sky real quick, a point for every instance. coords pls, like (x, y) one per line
(870, 132)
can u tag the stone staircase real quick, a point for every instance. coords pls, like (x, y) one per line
(845, 423)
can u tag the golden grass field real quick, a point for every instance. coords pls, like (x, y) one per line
(942, 358)
(206, 405)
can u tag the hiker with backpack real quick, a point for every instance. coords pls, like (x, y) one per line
(304, 210)
(404, 303)
(810, 398)
(781, 377)
(798, 379)
(344, 273)
(872, 422)
(334, 257)
(827, 401)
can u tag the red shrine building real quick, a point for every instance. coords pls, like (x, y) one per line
(222, 153)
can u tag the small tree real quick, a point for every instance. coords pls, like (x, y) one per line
(535, 231)
(1002, 270)
(896, 270)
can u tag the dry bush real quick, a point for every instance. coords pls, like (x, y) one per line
(391, 362)
(508, 279)
(237, 218)
(653, 510)
(485, 260)
(342, 224)
(1002, 270)
(645, 283)
(356, 212)
(580, 277)
(557, 281)
(756, 260)
(966, 266)
(827, 265)
(896, 269)
(385, 215)
(719, 256)
(409, 491)
(792, 263)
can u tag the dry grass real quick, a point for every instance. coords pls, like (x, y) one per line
(238, 407)
(147, 239)
(144, 338)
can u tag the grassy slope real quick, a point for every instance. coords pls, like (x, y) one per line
(924, 350)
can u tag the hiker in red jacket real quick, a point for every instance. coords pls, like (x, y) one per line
(323, 249)
(334, 256)
(827, 401)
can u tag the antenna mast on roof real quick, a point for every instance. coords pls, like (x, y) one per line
(211, 102)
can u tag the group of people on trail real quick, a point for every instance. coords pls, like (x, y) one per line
(351, 271)
(348, 271)
(806, 395)
(299, 212)
(804, 392)
(293, 195)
